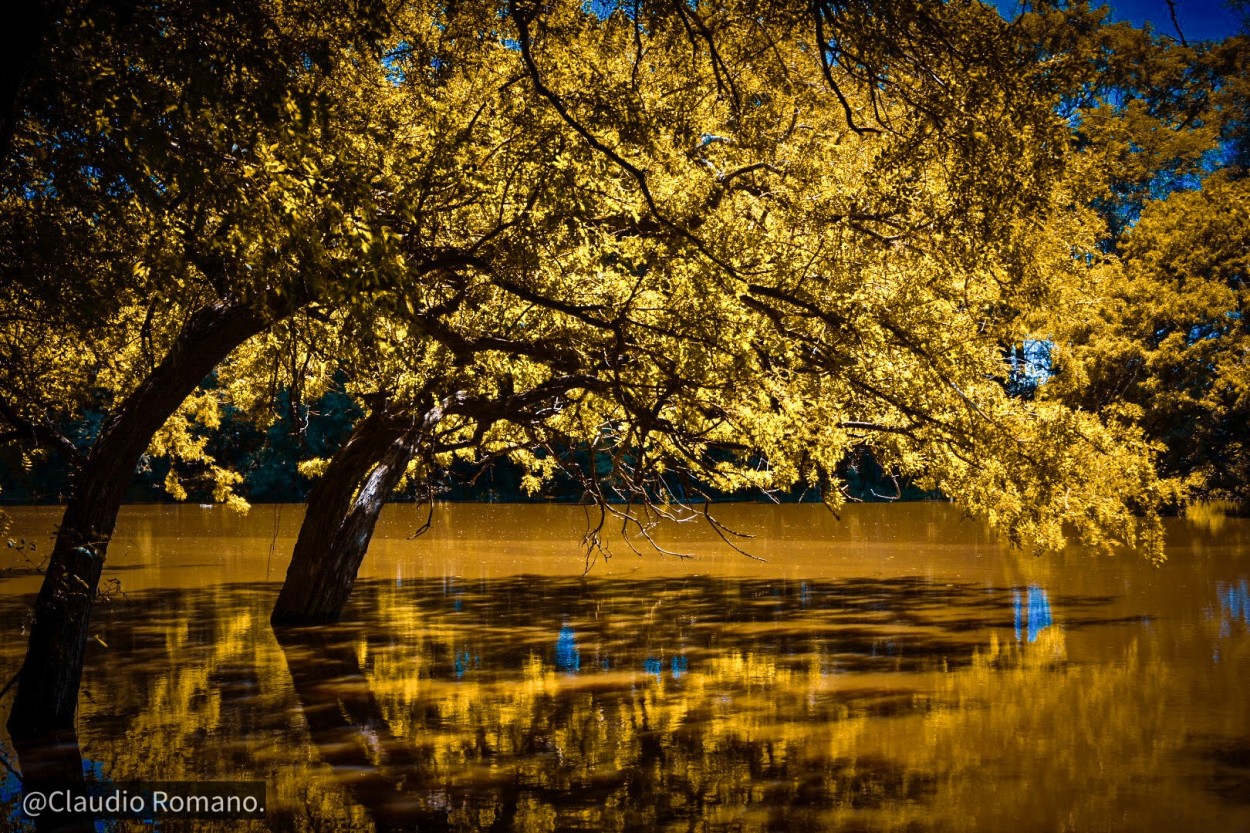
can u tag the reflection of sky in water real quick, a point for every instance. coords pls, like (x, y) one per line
(568, 658)
(678, 666)
(464, 662)
(1234, 604)
(10, 795)
(1032, 612)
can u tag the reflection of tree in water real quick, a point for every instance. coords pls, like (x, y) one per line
(1229, 758)
(48, 763)
(192, 685)
(536, 703)
(640, 705)
(388, 776)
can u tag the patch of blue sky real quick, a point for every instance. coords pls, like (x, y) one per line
(1210, 330)
(1031, 361)
(44, 190)
(603, 9)
(394, 60)
(1199, 19)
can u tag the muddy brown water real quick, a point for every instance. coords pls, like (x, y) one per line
(898, 669)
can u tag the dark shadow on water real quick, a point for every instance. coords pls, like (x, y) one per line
(1229, 762)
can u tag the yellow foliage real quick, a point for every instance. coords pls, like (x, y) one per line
(553, 230)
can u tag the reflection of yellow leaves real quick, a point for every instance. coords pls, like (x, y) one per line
(534, 816)
(1210, 515)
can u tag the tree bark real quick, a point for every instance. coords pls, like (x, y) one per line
(47, 693)
(342, 512)
(343, 507)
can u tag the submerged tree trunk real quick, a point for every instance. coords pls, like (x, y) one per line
(343, 507)
(342, 511)
(54, 762)
(47, 693)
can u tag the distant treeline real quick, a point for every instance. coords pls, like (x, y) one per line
(268, 458)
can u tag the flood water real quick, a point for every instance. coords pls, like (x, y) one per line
(895, 670)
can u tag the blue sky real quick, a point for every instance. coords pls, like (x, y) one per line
(1199, 19)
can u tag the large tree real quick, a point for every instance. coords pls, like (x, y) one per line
(755, 258)
(729, 243)
(182, 177)
(1161, 343)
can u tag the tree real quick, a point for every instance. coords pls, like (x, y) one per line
(181, 178)
(22, 42)
(760, 257)
(1151, 114)
(1160, 343)
(727, 245)
(1168, 346)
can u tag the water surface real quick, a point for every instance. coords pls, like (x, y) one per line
(895, 670)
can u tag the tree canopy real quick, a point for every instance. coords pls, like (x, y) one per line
(721, 247)
(758, 247)
(1168, 346)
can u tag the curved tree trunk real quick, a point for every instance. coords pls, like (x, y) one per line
(47, 693)
(343, 507)
(342, 511)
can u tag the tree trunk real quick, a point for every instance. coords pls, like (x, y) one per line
(47, 693)
(342, 511)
